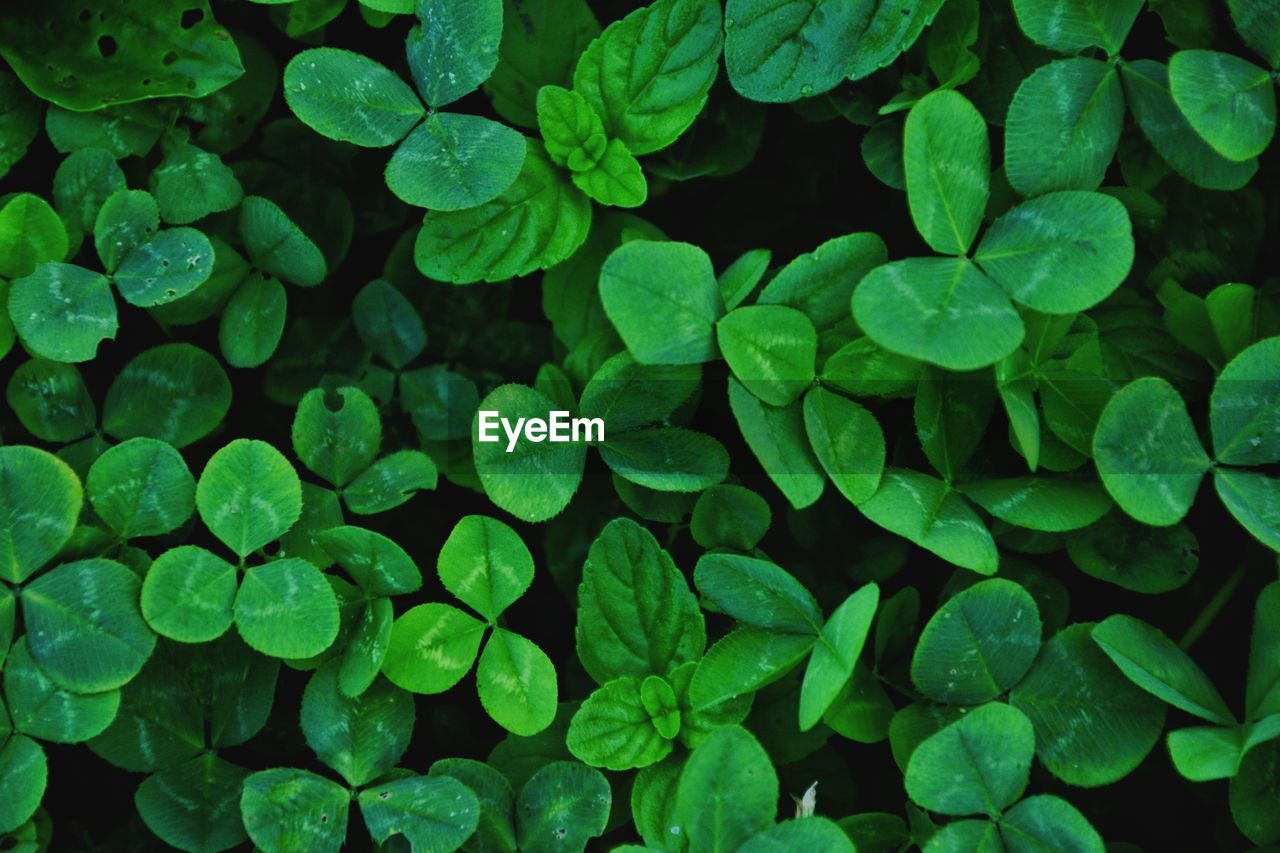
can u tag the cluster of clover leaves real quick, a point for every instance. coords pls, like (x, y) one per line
(243, 377)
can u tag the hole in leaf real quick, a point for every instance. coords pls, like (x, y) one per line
(107, 46)
(85, 15)
(169, 58)
(146, 81)
(191, 17)
(333, 401)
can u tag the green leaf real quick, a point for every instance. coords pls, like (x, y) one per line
(40, 501)
(287, 809)
(188, 595)
(174, 392)
(835, 654)
(573, 133)
(390, 481)
(1133, 556)
(779, 52)
(1060, 253)
(277, 246)
(636, 615)
(1253, 793)
(743, 661)
(431, 814)
(1070, 26)
(940, 310)
(770, 349)
(758, 593)
(141, 487)
(194, 806)
(63, 312)
(927, 512)
(361, 738)
(729, 516)
(126, 218)
(286, 609)
(1041, 503)
(627, 395)
(485, 564)
(190, 184)
(248, 495)
(647, 76)
(892, 29)
(21, 110)
(664, 301)
(667, 459)
(537, 222)
(615, 179)
(388, 323)
(541, 42)
(253, 322)
(1262, 696)
(350, 97)
(455, 49)
(1146, 86)
(496, 830)
(562, 807)
(40, 708)
(728, 791)
(848, 442)
(1092, 725)
(81, 185)
(155, 49)
(613, 729)
(980, 764)
(376, 563)
(947, 161)
(803, 833)
(978, 645)
(1147, 452)
(454, 162)
(159, 723)
(1256, 21)
(83, 625)
(30, 234)
(336, 434)
(1244, 410)
(23, 775)
(738, 280)
(820, 283)
(1254, 499)
(1048, 821)
(535, 481)
(165, 268)
(1229, 101)
(51, 401)
(362, 660)
(777, 437)
(432, 647)
(517, 683)
(1151, 660)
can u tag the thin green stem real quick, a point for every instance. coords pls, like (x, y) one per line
(1212, 609)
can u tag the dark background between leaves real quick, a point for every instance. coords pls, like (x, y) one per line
(806, 184)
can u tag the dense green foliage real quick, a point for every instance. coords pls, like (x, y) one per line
(918, 331)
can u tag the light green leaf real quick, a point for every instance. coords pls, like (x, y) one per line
(23, 775)
(454, 161)
(188, 595)
(286, 609)
(1070, 26)
(362, 660)
(432, 648)
(940, 310)
(615, 179)
(430, 813)
(1060, 253)
(757, 593)
(141, 487)
(83, 625)
(835, 654)
(336, 434)
(728, 791)
(537, 222)
(31, 233)
(667, 459)
(1092, 725)
(980, 764)
(802, 833)
(636, 615)
(536, 480)
(743, 661)
(647, 76)
(1147, 452)
(1229, 101)
(174, 392)
(778, 439)
(63, 312)
(485, 564)
(1151, 660)
(361, 738)
(663, 299)
(820, 283)
(729, 516)
(41, 709)
(1041, 503)
(573, 133)
(927, 512)
(978, 645)
(947, 161)
(376, 563)
(848, 442)
(1244, 410)
(612, 729)
(517, 683)
(770, 349)
(455, 49)
(390, 481)
(286, 809)
(248, 495)
(40, 501)
(350, 97)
